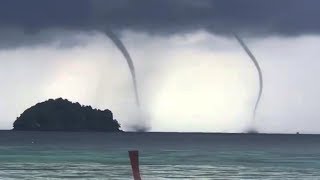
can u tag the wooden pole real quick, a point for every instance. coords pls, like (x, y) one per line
(134, 160)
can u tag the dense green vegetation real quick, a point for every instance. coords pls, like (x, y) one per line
(63, 115)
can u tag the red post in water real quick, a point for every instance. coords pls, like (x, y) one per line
(134, 160)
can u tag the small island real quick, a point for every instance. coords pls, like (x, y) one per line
(63, 115)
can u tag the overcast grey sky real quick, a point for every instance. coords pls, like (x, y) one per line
(193, 76)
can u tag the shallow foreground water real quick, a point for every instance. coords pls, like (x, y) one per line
(79, 155)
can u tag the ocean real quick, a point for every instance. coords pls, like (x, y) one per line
(91, 155)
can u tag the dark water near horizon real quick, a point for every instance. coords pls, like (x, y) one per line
(85, 155)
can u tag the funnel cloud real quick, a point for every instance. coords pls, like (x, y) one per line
(72, 37)
(254, 60)
(127, 56)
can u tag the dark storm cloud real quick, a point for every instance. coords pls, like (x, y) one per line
(286, 17)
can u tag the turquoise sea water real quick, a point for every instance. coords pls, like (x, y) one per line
(62, 155)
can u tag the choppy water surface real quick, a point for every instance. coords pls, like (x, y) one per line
(57, 155)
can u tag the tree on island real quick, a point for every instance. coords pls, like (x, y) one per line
(63, 115)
